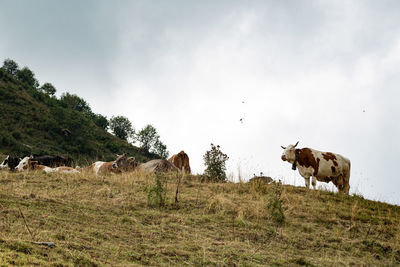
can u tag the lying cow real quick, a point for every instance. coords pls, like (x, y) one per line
(28, 163)
(181, 161)
(116, 166)
(157, 166)
(62, 169)
(10, 163)
(53, 160)
(25, 164)
(322, 166)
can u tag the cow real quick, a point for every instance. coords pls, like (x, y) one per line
(10, 162)
(129, 165)
(322, 166)
(61, 169)
(53, 160)
(29, 163)
(181, 161)
(115, 166)
(157, 166)
(26, 164)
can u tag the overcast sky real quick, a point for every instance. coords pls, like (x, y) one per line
(325, 73)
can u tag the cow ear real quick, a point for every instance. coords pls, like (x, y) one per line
(283, 147)
(296, 144)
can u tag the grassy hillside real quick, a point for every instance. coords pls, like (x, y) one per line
(34, 122)
(115, 221)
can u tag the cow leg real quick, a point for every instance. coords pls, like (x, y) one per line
(346, 186)
(307, 180)
(314, 182)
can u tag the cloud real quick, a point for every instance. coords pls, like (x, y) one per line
(321, 72)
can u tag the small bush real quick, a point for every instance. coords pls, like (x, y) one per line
(215, 160)
(157, 194)
(274, 205)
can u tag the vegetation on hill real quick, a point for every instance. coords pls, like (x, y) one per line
(133, 219)
(34, 121)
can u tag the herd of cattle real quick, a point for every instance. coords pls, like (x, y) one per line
(322, 166)
(54, 163)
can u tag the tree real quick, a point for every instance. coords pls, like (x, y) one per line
(27, 76)
(100, 121)
(215, 160)
(147, 137)
(11, 67)
(160, 149)
(121, 127)
(74, 102)
(48, 88)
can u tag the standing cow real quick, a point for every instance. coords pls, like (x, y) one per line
(181, 161)
(322, 166)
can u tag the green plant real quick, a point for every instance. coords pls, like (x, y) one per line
(157, 194)
(215, 160)
(121, 127)
(274, 205)
(48, 88)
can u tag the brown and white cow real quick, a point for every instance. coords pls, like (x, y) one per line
(61, 169)
(181, 161)
(101, 167)
(28, 164)
(25, 164)
(322, 166)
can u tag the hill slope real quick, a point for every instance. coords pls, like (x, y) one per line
(33, 122)
(96, 221)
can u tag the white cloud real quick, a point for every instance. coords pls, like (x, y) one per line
(321, 72)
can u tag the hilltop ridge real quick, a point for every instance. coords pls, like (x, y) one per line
(33, 122)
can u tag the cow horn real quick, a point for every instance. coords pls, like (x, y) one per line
(296, 144)
(283, 147)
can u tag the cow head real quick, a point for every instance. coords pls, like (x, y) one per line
(4, 164)
(289, 153)
(25, 164)
(131, 164)
(120, 161)
(10, 162)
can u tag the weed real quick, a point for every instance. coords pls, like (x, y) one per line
(157, 194)
(274, 205)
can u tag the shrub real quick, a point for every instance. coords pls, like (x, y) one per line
(274, 205)
(215, 160)
(157, 194)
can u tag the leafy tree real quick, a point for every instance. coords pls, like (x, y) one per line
(150, 141)
(121, 127)
(27, 76)
(74, 102)
(100, 121)
(147, 137)
(11, 67)
(48, 88)
(215, 160)
(160, 149)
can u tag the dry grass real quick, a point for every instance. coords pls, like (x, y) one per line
(107, 220)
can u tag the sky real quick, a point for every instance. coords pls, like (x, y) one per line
(324, 73)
